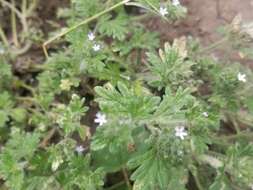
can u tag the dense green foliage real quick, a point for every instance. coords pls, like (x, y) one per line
(155, 123)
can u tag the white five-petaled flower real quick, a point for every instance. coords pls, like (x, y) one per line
(163, 11)
(91, 36)
(79, 149)
(96, 47)
(205, 114)
(175, 2)
(100, 119)
(180, 132)
(241, 77)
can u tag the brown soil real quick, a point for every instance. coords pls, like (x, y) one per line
(203, 19)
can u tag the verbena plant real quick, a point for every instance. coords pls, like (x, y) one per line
(169, 119)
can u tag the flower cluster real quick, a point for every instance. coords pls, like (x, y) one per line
(91, 37)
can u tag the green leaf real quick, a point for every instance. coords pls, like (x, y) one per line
(170, 68)
(126, 102)
(155, 172)
(115, 28)
(18, 114)
(173, 107)
(141, 39)
(3, 118)
(68, 117)
(15, 156)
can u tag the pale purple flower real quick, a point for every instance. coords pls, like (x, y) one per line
(241, 77)
(91, 36)
(100, 119)
(163, 11)
(180, 132)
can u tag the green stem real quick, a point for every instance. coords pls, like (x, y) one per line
(31, 89)
(14, 26)
(22, 50)
(140, 17)
(213, 46)
(116, 186)
(138, 58)
(248, 135)
(124, 171)
(4, 38)
(18, 13)
(24, 6)
(13, 8)
(196, 178)
(86, 21)
(31, 8)
(26, 99)
(212, 161)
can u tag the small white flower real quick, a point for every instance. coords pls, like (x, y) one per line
(163, 11)
(241, 77)
(79, 149)
(96, 47)
(180, 132)
(175, 2)
(100, 119)
(205, 114)
(91, 36)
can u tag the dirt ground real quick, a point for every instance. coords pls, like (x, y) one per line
(203, 19)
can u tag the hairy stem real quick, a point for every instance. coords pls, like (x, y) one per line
(18, 13)
(86, 21)
(116, 186)
(31, 8)
(124, 171)
(3, 37)
(14, 26)
(212, 161)
(213, 46)
(248, 135)
(46, 139)
(196, 178)
(24, 6)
